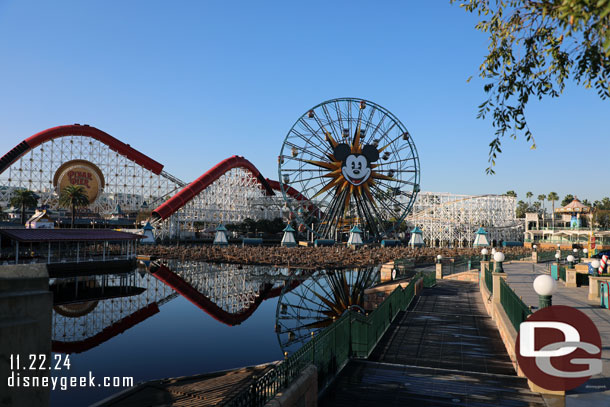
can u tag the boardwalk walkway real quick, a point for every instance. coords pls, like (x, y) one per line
(444, 351)
(520, 277)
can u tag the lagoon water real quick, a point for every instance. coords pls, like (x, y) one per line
(155, 333)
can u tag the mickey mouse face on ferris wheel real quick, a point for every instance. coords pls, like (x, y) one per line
(356, 168)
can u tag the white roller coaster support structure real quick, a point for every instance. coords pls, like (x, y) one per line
(126, 183)
(452, 220)
(232, 198)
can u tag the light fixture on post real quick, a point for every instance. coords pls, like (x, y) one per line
(575, 251)
(585, 252)
(534, 247)
(545, 286)
(594, 267)
(570, 260)
(438, 259)
(499, 258)
(485, 253)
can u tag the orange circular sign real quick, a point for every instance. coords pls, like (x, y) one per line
(83, 173)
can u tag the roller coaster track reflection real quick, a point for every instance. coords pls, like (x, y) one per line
(89, 311)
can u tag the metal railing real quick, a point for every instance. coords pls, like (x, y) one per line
(489, 279)
(515, 308)
(352, 335)
(429, 279)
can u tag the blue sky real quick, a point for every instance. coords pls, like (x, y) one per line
(192, 83)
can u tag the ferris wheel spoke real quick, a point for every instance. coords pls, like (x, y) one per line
(364, 209)
(314, 133)
(378, 126)
(296, 146)
(308, 141)
(331, 122)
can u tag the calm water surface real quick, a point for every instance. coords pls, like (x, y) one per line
(157, 333)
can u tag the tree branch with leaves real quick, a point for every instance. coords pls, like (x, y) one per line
(534, 48)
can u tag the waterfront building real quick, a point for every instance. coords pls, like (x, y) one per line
(355, 237)
(570, 225)
(416, 239)
(220, 238)
(481, 238)
(288, 239)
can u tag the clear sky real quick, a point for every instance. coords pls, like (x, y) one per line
(192, 83)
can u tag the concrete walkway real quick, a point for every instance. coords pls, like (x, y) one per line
(520, 276)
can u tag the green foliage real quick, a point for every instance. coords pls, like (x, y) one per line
(552, 196)
(567, 199)
(23, 199)
(266, 226)
(72, 197)
(541, 198)
(604, 204)
(534, 47)
(511, 193)
(522, 208)
(602, 218)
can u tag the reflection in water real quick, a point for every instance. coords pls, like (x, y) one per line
(229, 293)
(93, 309)
(310, 302)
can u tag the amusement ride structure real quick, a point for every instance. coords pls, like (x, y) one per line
(345, 162)
(452, 220)
(354, 163)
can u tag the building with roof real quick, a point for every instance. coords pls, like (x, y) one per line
(569, 225)
(78, 249)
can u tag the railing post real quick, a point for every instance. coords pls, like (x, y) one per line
(439, 271)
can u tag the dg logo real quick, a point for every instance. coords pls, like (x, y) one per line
(559, 348)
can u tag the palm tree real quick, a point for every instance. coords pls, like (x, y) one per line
(542, 198)
(23, 198)
(552, 196)
(72, 197)
(529, 196)
(511, 193)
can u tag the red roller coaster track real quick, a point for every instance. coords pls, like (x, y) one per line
(190, 191)
(178, 200)
(78, 130)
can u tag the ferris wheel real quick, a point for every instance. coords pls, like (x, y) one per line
(349, 162)
(311, 302)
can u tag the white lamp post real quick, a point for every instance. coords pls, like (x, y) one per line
(570, 260)
(499, 258)
(585, 251)
(485, 252)
(439, 258)
(557, 257)
(595, 265)
(545, 286)
(534, 247)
